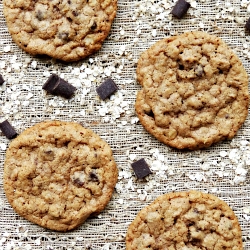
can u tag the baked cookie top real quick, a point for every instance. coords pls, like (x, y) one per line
(68, 30)
(57, 174)
(185, 220)
(195, 90)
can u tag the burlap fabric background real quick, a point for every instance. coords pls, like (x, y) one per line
(220, 170)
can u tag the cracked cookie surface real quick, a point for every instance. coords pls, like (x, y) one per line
(185, 220)
(68, 30)
(195, 91)
(57, 174)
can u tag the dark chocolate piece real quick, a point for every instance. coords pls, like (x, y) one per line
(40, 15)
(8, 130)
(64, 89)
(106, 89)
(93, 177)
(57, 86)
(50, 84)
(64, 36)
(247, 26)
(94, 25)
(78, 182)
(180, 8)
(75, 13)
(1, 80)
(141, 168)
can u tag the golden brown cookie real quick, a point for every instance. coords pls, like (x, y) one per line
(68, 30)
(195, 91)
(57, 174)
(185, 220)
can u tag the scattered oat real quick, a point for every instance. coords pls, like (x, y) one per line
(132, 157)
(3, 146)
(33, 64)
(6, 48)
(223, 153)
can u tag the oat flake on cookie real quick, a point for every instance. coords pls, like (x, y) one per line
(68, 30)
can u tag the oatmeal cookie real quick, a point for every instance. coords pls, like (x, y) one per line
(57, 174)
(68, 30)
(185, 220)
(195, 91)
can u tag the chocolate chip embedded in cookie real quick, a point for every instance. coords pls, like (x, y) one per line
(185, 220)
(195, 91)
(63, 29)
(57, 174)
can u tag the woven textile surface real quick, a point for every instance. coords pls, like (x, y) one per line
(221, 169)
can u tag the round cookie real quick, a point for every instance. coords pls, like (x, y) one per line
(185, 220)
(68, 30)
(195, 91)
(57, 174)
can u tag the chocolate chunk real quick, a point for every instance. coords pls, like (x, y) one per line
(64, 36)
(180, 8)
(141, 168)
(64, 89)
(247, 26)
(57, 86)
(49, 85)
(106, 89)
(1, 80)
(94, 25)
(78, 182)
(195, 210)
(70, 20)
(93, 177)
(75, 13)
(8, 130)
(39, 15)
